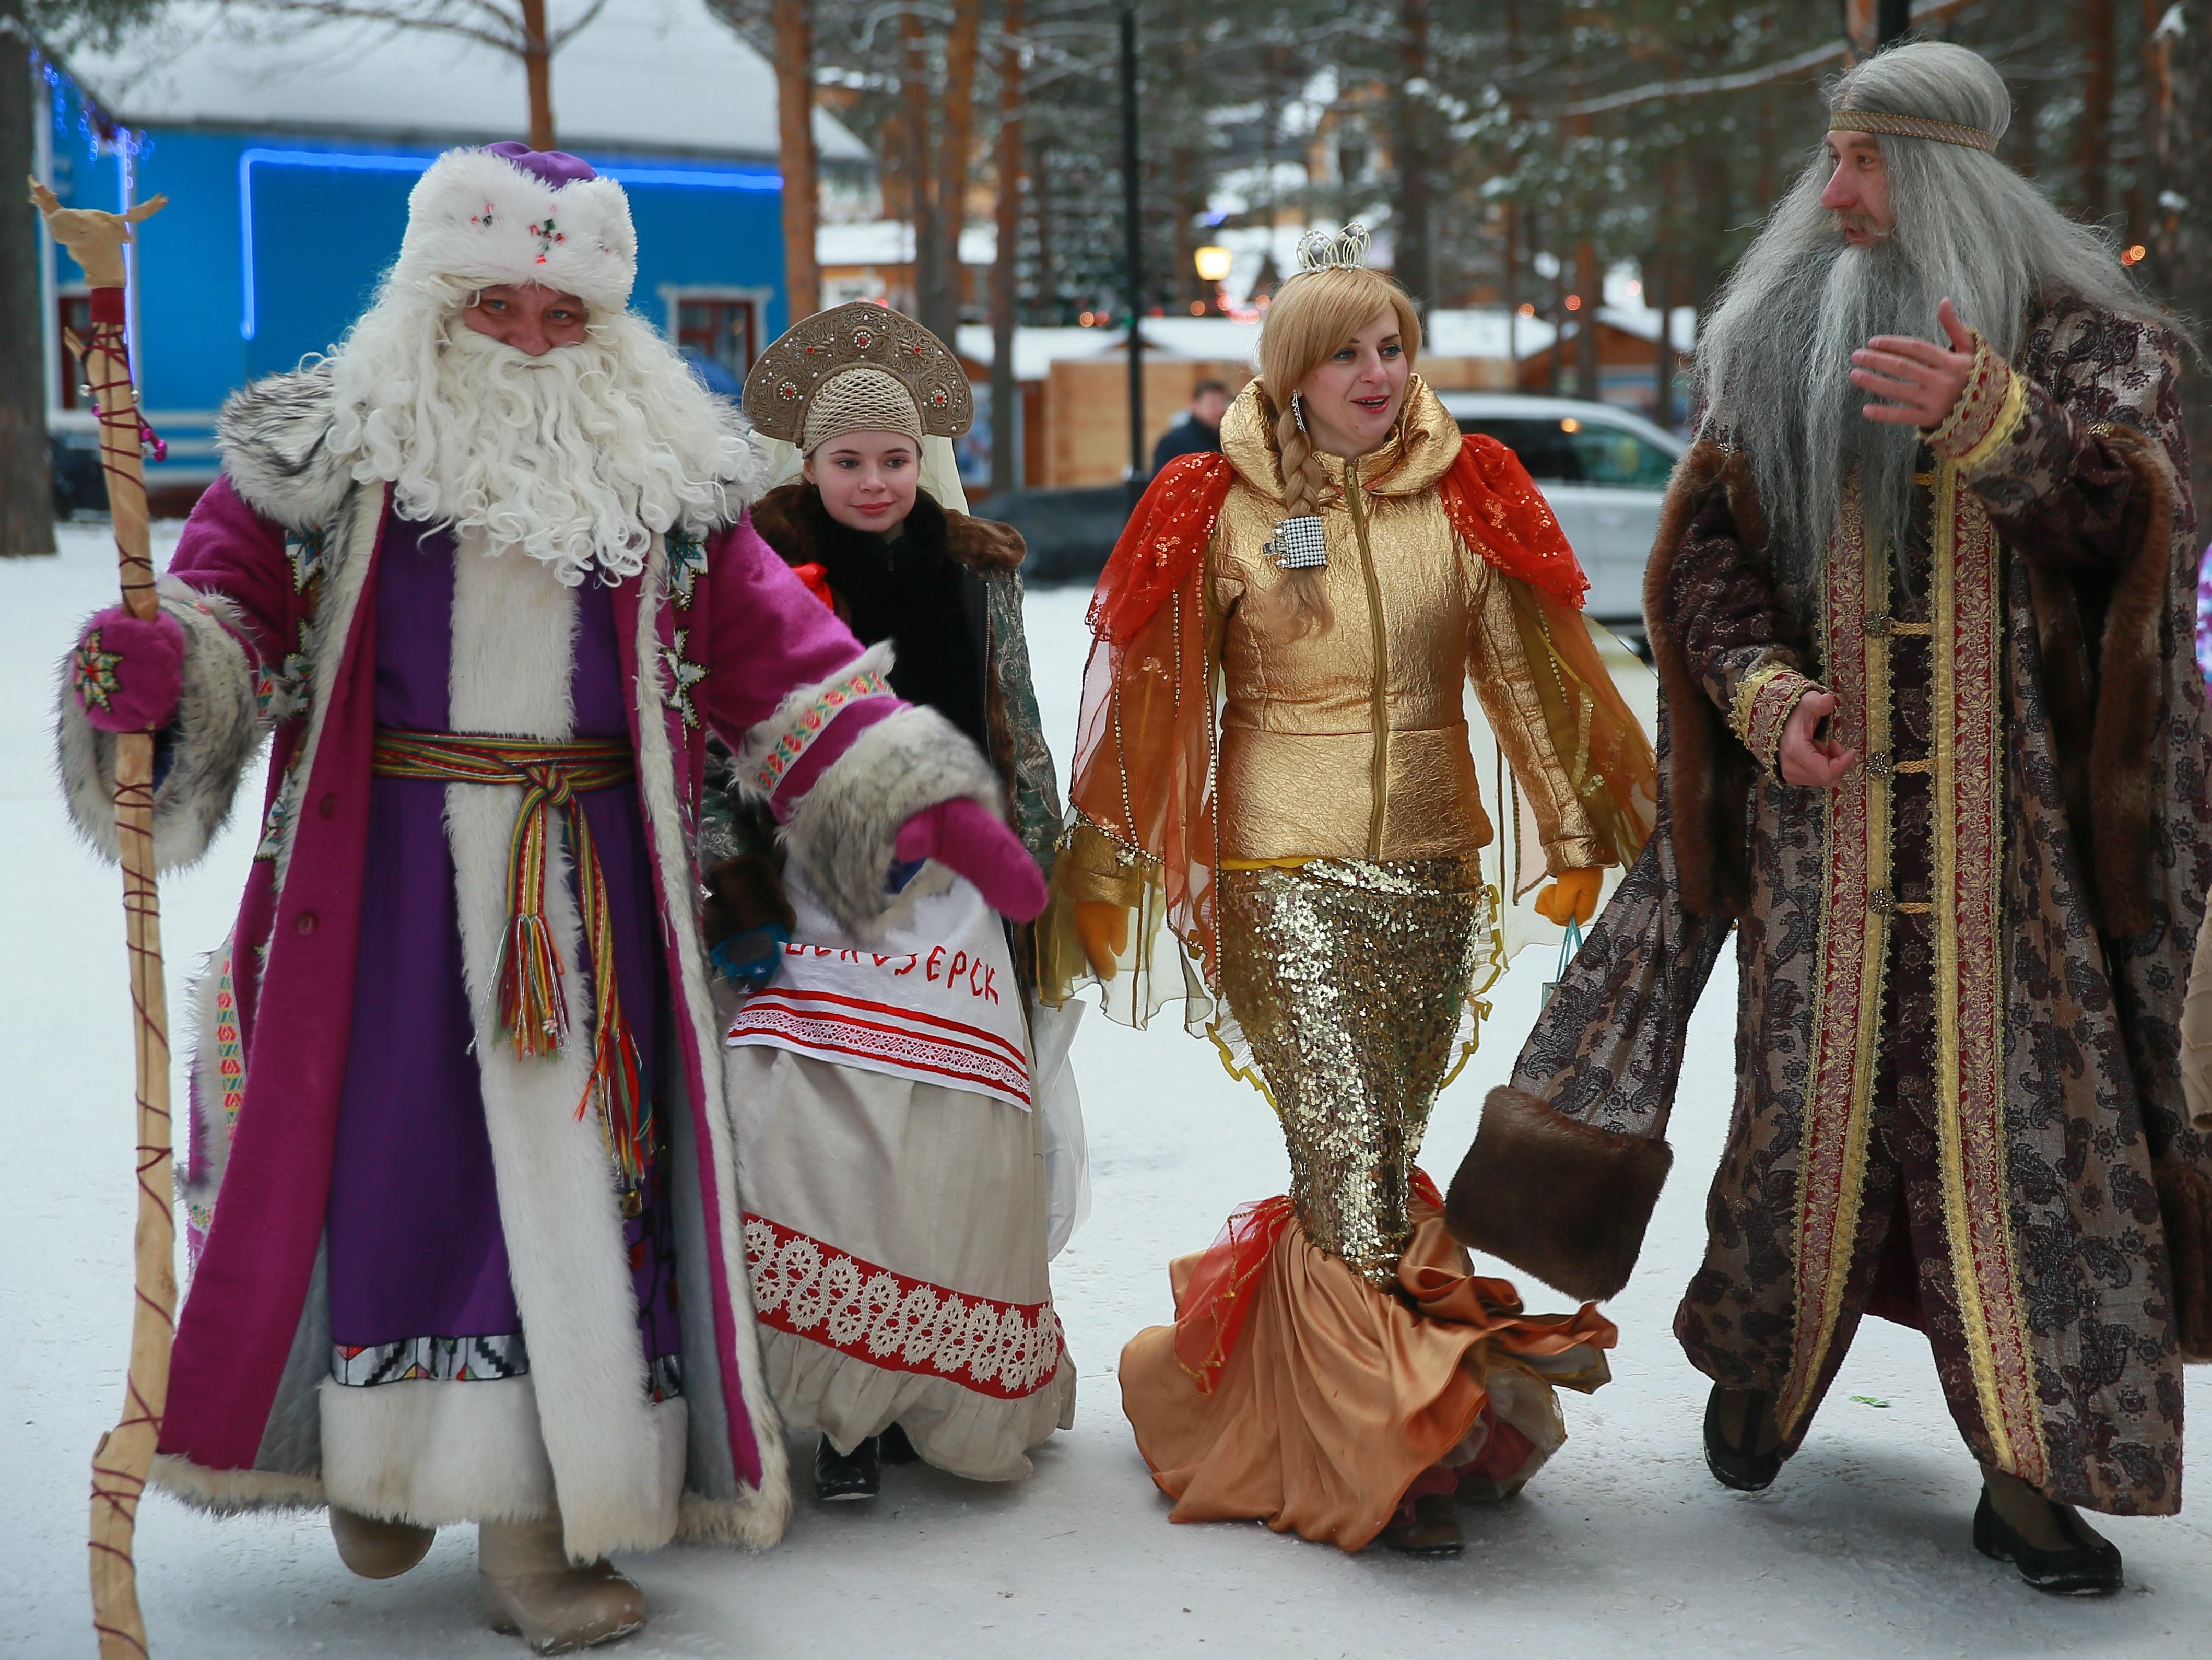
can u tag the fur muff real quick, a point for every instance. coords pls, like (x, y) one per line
(1709, 774)
(844, 829)
(1562, 1200)
(2185, 1203)
(791, 519)
(211, 738)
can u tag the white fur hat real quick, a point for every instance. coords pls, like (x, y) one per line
(509, 214)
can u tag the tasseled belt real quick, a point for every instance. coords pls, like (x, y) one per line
(532, 1009)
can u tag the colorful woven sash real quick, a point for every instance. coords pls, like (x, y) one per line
(532, 1009)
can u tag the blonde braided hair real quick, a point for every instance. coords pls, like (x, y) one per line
(1311, 317)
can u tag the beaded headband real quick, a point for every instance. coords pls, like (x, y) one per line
(1912, 127)
(781, 390)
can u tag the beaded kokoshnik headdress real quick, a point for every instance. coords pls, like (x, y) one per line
(857, 367)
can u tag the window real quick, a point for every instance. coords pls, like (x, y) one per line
(1576, 452)
(73, 314)
(722, 333)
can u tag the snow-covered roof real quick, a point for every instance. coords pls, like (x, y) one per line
(644, 75)
(1484, 331)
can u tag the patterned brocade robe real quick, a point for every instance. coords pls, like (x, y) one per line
(1960, 971)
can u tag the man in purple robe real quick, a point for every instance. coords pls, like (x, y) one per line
(465, 1202)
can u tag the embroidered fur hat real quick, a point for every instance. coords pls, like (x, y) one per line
(510, 214)
(857, 367)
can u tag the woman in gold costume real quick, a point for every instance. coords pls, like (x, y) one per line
(1274, 763)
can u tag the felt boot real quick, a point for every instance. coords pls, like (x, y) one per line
(377, 1549)
(531, 1591)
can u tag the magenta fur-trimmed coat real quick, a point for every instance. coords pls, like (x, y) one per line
(273, 583)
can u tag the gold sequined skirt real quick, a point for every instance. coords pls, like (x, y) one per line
(1347, 981)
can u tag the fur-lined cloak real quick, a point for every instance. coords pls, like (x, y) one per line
(275, 584)
(2035, 712)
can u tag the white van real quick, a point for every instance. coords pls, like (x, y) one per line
(1603, 470)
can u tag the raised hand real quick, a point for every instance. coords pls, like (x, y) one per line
(93, 239)
(1808, 761)
(1921, 379)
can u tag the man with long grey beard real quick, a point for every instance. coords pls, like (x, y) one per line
(465, 1198)
(1933, 743)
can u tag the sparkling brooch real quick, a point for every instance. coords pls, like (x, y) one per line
(1298, 543)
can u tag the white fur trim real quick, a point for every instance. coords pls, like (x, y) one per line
(199, 1188)
(754, 1516)
(436, 1453)
(843, 829)
(479, 217)
(513, 658)
(233, 1492)
(356, 524)
(274, 438)
(212, 737)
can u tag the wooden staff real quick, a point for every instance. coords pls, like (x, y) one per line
(126, 1454)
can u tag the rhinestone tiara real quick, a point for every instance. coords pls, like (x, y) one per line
(1346, 249)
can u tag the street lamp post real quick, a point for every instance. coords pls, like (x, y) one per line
(1133, 250)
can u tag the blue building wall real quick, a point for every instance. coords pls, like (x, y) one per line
(270, 246)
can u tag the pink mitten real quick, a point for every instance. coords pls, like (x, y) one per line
(129, 671)
(965, 837)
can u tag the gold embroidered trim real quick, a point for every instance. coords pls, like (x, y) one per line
(1853, 954)
(1746, 694)
(1764, 700)
(2010, 417)
(1970, 1075)
(1965, 408)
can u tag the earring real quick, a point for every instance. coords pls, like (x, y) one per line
(1299, 411)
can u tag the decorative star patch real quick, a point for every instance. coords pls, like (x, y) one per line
(94, 672)
(307, 553)
(682, 677)
(687, 558)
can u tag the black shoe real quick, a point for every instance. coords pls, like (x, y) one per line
(2089, 1566)
(1427, 1526)
(894, 1447)
(855, 1474)
(1732, 1466)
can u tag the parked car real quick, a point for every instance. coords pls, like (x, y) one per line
(1070, 532)
(1603, 470)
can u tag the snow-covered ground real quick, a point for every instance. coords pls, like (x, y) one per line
(1623, 1545)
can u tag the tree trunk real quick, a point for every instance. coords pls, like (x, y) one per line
(26, 490)
(1006, 392)
(1590, 281)
(2181, 262)
(921, 207)
(794, 120)
(538, 73)
(1412, 166)
(2093, 143)
(953, 156)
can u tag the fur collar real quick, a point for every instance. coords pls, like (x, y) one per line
(274, 439)
(791, 519)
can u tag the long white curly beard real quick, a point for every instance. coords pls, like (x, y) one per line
(575, 457)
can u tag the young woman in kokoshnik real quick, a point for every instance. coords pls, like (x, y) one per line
(895, 1098)
(1274, 761)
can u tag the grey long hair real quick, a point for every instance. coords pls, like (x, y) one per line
(1774, 359)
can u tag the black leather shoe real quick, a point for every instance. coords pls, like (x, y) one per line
(2088, 1567)
(894, 1447)
(855, 1474)
(1427, 1526)
(1732, 1466)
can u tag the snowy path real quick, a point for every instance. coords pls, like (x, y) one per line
(1623, 1545)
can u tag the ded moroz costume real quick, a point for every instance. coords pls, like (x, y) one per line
(466, 1206)
(891, 1088)
(1958, 1104)
(1301, 867)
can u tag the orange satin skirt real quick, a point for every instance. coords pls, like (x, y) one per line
(1331, 1395)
